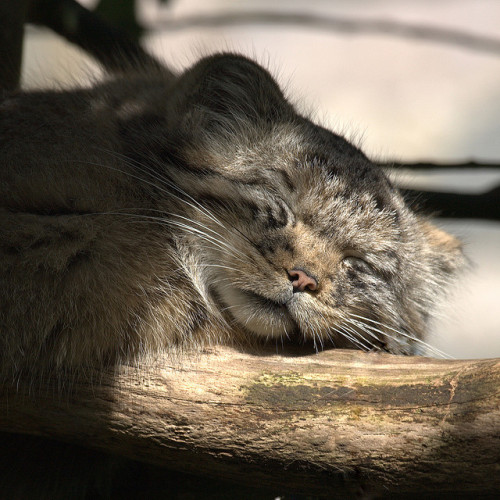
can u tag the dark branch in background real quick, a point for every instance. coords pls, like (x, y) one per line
(454, 205)
(470, 165)
(11, 42)
(121, 13)
(112, 47)
(80, 26)
(339, 24)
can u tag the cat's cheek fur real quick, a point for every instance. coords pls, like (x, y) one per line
(256, 315)
(445, 251)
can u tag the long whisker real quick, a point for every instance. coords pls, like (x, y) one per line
(351, 335)
(164, 181)
(167, 182)
(168, 221)
(428, 346)
(218, 266)
(369, 329)
(431, 348)
(365, 329)
(342, 330)
(193, 203)
(203, 226)
(222, 245)
(316, 333)
(330, 338)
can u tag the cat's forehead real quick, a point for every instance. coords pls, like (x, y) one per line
(313, 162)
(308, 167)
(331, 185)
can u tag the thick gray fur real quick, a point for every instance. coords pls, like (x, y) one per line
(155, 213)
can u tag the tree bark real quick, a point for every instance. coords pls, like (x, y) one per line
(327, 424)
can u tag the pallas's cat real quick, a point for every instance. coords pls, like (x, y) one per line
(150, 212)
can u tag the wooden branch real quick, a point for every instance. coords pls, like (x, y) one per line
(484, 205)
(456, 205)
(325, 424)
(429, 165)
(12, 14)
(111, 46)
(339, 24)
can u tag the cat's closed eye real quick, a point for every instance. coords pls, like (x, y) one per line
(356, 260)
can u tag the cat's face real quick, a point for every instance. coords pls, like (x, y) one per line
(301, 235)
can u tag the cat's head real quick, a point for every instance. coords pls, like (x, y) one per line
(300, 233)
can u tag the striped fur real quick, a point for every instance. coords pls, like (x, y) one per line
(148, 213)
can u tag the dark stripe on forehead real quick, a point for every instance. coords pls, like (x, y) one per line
(366, 195)
(287, 180)
(229, 203)
(168, 156)
(271, 216)
(276, 217)
(271, 245)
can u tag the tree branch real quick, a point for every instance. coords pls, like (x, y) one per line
(323, 424)
(12, 14)
(484, 206)
(426, 165)
(339, 24)
(448, 204)
(111, 46)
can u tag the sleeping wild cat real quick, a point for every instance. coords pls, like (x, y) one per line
(154, 212)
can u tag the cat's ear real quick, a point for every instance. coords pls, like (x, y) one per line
(445, 250)
(229, 90)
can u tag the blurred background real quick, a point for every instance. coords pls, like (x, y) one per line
(359, 68)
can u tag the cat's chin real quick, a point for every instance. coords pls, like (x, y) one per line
(295, 316)
(258, 314)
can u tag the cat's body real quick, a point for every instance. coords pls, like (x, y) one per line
(150, 212)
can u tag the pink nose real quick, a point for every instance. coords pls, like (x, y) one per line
(301, 280)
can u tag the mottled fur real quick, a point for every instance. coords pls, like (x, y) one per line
(150, 212)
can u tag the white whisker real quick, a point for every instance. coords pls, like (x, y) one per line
(165, 182)
(403, 334)
(352, 336)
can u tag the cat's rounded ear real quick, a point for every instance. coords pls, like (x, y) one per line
(227, 90)
(445, 250)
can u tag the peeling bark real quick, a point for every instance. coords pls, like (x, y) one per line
(328, 424)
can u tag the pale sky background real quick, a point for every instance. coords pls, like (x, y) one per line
(403, 99)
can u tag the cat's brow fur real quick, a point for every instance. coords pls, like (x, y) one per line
(151, 212)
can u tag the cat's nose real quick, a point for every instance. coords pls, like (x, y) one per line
(301, 280)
